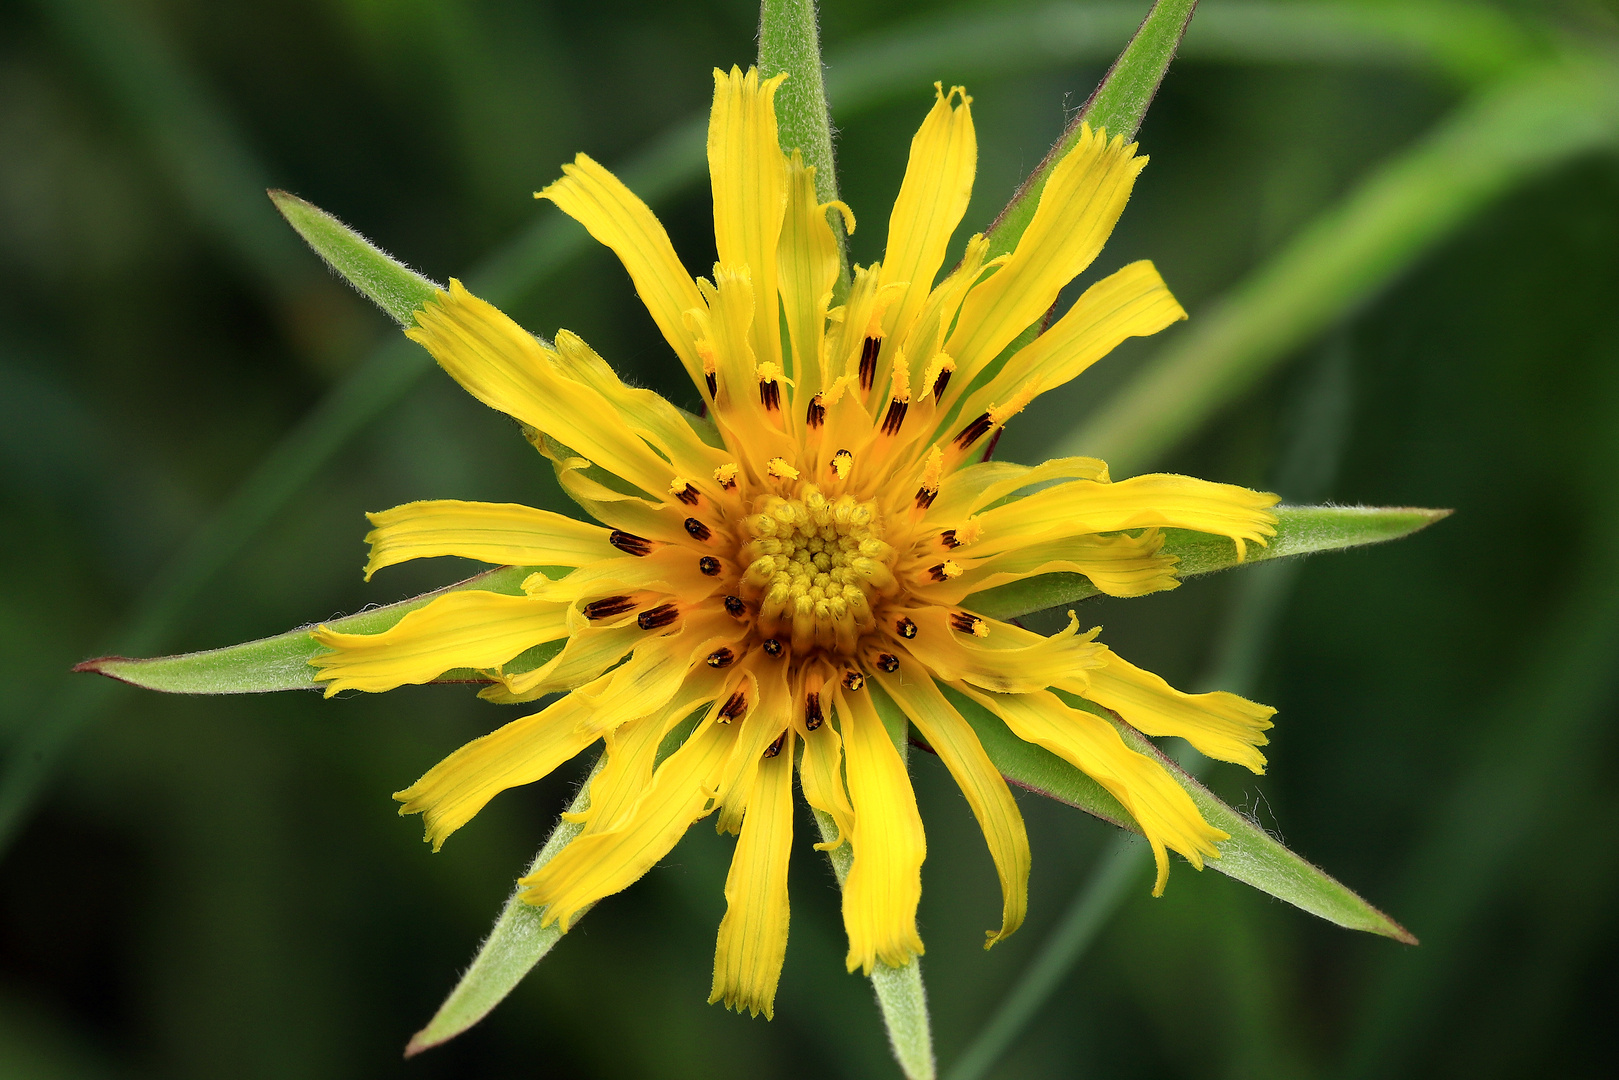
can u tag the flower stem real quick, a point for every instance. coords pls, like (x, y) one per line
(790, 41)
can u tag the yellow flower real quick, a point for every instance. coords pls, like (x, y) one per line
(755, 600)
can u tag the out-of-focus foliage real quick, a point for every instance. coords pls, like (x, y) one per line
(220, 887)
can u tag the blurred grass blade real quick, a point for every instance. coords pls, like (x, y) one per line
(1405, 208)
(1470, 42)
(1300, 530)
(1542, 739)
(1118, 104)
(280, 662)
(1126, 862)
(1250, 856)
(190, 139)
(384, 280)
(511, 950)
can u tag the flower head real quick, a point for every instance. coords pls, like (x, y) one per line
(762, 594)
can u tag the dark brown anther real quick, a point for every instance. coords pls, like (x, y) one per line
(846, 456)
(925, 497)
(607, 607)
(735, 706)
(989, 451)
(708, 565)
(657, 618)
(813, 717)
(688, 495)
(815, 415)
(936, 572)
(868, 361)
(895, 416)
(965, 621)
(775, 748)
(853, 680)
(770, 394)
(629, 543)
(721, 658)
(973, 431)
(888, 662)
(734, 607)
(713, 384)
(948, 539)
(772, 647)
(697, 529)
(905, 628)
(940, 383)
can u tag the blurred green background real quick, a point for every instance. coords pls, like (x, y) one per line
(208, 887)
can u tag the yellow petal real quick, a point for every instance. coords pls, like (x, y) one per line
(957, 745)
(589, 651)
(643, 411)
(526, 750)
(968, 490)
(753, 935)
(506, 534)
(1007, 658)
(1161, 807)
(820, 773)
(932, 199)
(767, 717)
(503, 366)
(617, 219)
(631, 513)
(807, 268)
(1155, 499)
(749, 178)
(1118, 564)
(1082, 201)
(599, 864)
(470, 629)
(885, 881)
(1133, 302)
(1220, 725)
(939, 311)
(632, 749)
(452, 792)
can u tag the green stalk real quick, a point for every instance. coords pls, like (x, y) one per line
(790, 41)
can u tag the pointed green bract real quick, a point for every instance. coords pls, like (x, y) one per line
(1118, 105)
(1300, 530)
(518, 942)
(389, 283)
(1251, 856)
(280, 662)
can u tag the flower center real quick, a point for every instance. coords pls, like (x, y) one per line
(815, 567)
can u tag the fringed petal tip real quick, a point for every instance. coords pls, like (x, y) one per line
(740, 1002)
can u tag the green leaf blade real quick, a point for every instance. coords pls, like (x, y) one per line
(1300, 530)
(280, 662)
(518, 941)
(384, 280)
(1251, 856)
